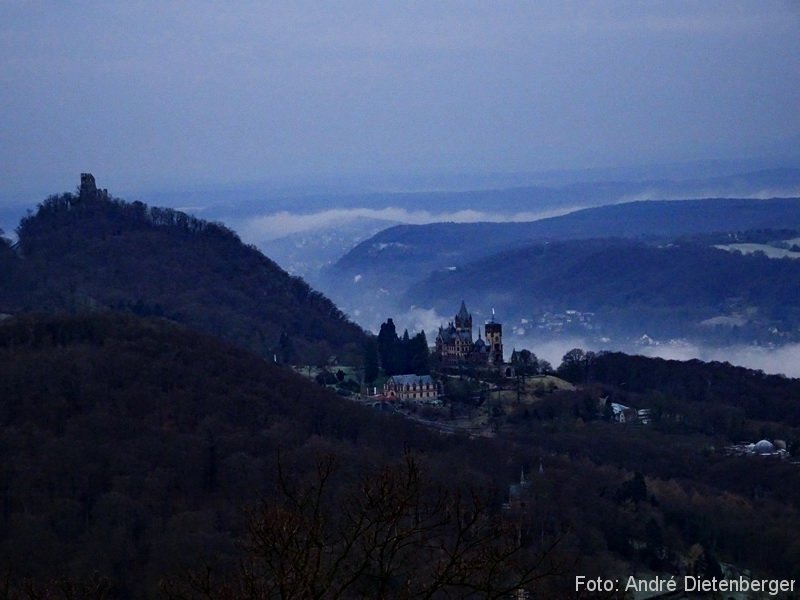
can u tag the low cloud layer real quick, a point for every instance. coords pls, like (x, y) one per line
(280, 224)
(761, 194)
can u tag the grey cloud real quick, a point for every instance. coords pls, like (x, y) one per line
(146, 93)
(279, 224)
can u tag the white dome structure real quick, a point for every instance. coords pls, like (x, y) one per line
(764, 447)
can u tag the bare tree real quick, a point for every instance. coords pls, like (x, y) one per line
(395, 535)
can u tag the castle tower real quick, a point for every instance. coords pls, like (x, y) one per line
(88, 189)
(494, 339)
(463, 320)
(462, 325)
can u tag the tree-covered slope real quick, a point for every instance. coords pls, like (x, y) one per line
(132, 447)
(634, 286)
(400, 256)
(87, 251)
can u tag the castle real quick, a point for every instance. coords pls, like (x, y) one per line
(454, 343)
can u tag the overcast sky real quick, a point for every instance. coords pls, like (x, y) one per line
(176, 93)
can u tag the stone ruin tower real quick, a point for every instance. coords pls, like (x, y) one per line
(88, 191)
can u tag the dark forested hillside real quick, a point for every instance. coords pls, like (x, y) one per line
(632, 286)
(8, 262)
(87, 251)
(697, 389)
(132, 447)
(420, 248)
(374, 276)
(760, 397)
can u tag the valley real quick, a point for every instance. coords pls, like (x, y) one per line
(623, 276)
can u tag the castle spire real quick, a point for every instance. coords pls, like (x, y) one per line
(462, 312)
(463, 320)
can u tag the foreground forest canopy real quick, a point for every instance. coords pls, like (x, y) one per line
(136, 449)
(140, 452)
(88, 251)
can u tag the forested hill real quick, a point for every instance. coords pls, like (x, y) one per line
(88, 251)
(407, 251)
(135, 448)
(133, 451)
(634, 287)
(760, 397)
(131, 447)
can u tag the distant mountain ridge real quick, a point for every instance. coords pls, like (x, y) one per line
(632, 287)
(389, 270)
(417, 248)
(528, 193)
(88, 251)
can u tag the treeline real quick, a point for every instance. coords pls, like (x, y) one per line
(406, 355)
(50, 209)
(633, 287)
(526, 362)
(761, 397)
(694, 396)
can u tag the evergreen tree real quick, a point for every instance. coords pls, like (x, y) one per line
(286, 348)
(388, 348)
(371, 367)
(404, 354)
(419, 355)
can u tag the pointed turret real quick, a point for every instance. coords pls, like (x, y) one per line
(462, 312)
(463, 319)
